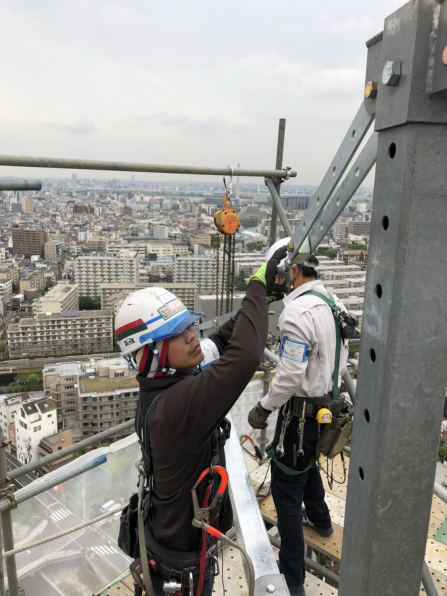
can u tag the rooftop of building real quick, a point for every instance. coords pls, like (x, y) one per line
(59, 291)
(105, 384)
(137, 285)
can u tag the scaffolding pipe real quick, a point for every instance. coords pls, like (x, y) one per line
(427, 581)
(6, 524)
(279, 207)
(25, 161)
(49, 459)
(20, 184)
(310, 563)
(278, 165)
(27, 493)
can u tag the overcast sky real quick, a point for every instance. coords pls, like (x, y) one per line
(193, 82)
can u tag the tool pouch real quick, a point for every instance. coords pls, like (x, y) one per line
(128, 536)
(335, 436)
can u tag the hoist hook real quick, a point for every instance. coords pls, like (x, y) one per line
(228, 189)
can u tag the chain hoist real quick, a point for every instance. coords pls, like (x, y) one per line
(227, 223)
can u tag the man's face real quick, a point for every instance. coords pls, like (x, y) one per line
(184, 352)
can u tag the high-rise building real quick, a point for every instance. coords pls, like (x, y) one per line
(197, 270)
(35, 420)
(159, 231)
(67, 332)
(28, 205)
(186, 292)
(74, 177)
(92, 396)
(54, 251)
(28, 242)
(300, 202)
(59, 298)
(93, 270)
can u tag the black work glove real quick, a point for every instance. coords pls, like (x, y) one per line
(257, 416)
(275, 291)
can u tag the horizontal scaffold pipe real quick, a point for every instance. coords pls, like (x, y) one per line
(25, 184)
(49, 459)
(31, 491)
(24, 161)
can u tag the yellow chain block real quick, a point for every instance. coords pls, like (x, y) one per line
(226, 220)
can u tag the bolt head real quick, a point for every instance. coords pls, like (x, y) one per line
(392, 72)
(271, 588)
(444, 56)
(371, 90)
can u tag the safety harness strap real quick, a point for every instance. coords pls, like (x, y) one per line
(331, 303)
(270, 450)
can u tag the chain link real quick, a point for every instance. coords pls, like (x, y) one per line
(223, 275)
(217, 276)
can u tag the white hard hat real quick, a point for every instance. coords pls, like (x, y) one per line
(150, 315)
(286, 264)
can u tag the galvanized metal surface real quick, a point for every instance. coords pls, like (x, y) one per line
(277, 205)
(278, 166)
(355, 135)
(7, 530)
(48, 459)
(402, 375)
(409, 35)
(24, 161)
(250, 529)
(437, 71)
(361, 168)
(276, 581)
(20, 184)
(427, 581)
(26, 493)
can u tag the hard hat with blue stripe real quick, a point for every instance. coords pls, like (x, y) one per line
(150, 315)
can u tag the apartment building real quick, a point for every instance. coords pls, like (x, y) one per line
(61, 297)
(180, 250)
(99, 244)
(28, 205)
(162, 250)
(53, 444)
(359, 228)
(159, 231)
(33, 281)
(92, 396)
(93, 270)
(85, 235)
(197, 270)
(10, 273)
(67, 332)
(29, 242)
(199, 237)
(34, 421)
(54, 251)
(185, 291)
(5, 288)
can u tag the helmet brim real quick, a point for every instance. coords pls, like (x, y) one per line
(193, 317)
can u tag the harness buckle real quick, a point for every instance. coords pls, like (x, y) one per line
(205, 514)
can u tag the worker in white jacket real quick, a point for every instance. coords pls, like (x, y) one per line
(303, 384)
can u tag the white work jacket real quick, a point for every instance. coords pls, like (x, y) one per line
(306, 365)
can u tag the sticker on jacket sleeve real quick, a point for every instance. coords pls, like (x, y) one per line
(294, 350)
(210, 353)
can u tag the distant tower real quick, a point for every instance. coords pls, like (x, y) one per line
(132, 178)
(74, 177)
(237, 183)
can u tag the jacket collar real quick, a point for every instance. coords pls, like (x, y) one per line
(315, 285)
(157, 383)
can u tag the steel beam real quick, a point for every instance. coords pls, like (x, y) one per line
(278, 165)
(20, 184)
(402, 374)
(23, 161)
(250, 528)
(6, 525)
(356, 175)
(353, 138)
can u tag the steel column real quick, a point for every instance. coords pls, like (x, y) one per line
(6, 525)
(20, 185)
(402, 374)
(279, 158)
(24, 161)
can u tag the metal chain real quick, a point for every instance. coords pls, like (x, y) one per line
(228, 275)
(217, 276)
(223, 275)
(233, 255)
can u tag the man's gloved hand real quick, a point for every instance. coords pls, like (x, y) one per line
(257, 416)
(267, 275)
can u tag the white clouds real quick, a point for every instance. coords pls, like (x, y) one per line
(183, 82)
